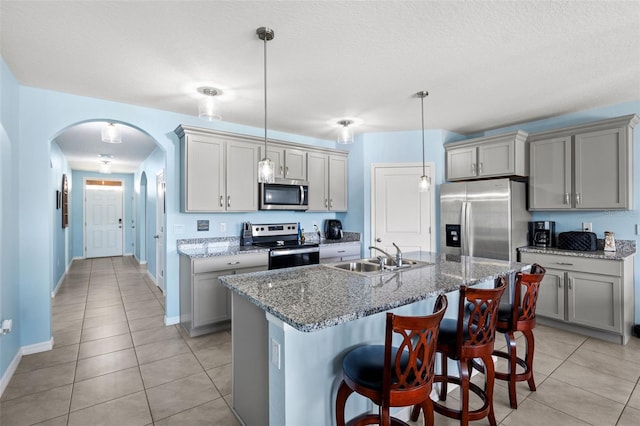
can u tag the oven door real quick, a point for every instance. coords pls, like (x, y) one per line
(288, 257)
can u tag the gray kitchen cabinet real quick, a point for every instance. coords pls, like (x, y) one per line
(205, 305)
(327, 176)
(585, 167)
(288, 163)
(218, 173)
(586, 295)
(339, 252)
(485, 157)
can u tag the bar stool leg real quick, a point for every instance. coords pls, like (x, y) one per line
(528, 334)
(513, 364)
(341, 400)
(489, 369)
(464, 392)
(443, 384)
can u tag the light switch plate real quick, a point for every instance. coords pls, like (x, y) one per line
(275, 353)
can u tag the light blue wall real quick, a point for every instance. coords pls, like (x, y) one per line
(622, 223)
(9, 214)
(76, 219)
(61, 236)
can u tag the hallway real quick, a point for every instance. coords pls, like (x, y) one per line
(115, 363)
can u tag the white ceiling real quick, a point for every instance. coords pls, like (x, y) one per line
(486, 64)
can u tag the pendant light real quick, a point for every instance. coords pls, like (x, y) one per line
(105, 167)
(111, 133)
(265, 166)
(345, 134)
(206, 105)
(424, 184)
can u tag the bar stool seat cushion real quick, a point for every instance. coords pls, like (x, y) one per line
(449, 330)
(364, 365)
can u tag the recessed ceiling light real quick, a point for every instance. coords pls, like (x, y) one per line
(105, 155)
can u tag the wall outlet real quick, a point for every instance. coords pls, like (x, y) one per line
(223, 227)
(275, 353)
(587, 226)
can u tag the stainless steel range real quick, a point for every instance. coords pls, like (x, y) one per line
(282, 239)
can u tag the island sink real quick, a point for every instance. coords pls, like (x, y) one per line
(372, 266)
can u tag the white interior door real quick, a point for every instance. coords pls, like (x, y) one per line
(160, 212)
(400, 213)
(103, 218)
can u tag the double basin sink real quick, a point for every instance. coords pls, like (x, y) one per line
(372, 266)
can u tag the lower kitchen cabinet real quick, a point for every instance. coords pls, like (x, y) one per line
(587, 295)
(205, 305)
(339, 252)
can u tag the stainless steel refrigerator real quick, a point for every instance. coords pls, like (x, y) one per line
(486, 218)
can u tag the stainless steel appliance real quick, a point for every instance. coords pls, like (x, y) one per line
(486, 218)
(284, 195)
(333, 229)
(542, 233)
(285, 248)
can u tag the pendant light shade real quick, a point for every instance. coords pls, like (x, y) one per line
(206, 105)
(345, 134)
(424, 184)
(266, 173)
(111, 133)
(105, 167)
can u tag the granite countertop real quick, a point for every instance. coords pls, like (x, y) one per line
(314, 297)
(230, 246)
(624, 249)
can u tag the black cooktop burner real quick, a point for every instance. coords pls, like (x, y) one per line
(283, 244)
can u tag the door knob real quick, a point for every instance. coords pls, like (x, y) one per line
(156, 236)
(378, 240)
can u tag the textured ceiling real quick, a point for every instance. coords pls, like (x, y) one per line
(486, 64)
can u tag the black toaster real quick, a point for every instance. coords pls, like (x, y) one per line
(577, 240)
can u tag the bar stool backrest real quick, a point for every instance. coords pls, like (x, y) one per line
(481, 306)
(524, 307)
(407, 381)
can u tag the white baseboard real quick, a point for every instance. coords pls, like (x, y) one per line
(13, 366)
(11, 369)
(57, 287)
(38, 347)
(78, 258)
(152, 278)
(171, 320)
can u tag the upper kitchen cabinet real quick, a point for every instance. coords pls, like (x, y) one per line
(289, 163)
(327, 181)
(487, 157)
(219, 172)
(586, 167)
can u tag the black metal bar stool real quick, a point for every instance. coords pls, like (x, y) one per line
(394, 376)
(470, 336)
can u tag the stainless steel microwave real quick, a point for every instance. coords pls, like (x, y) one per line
(284, 195)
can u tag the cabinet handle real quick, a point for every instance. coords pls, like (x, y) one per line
(228, 200)
(326, 202)
(480, 168)
(341, 251)
(578, 198)
(330, 203)
(286, 171)
(221, 201)
(570, 283)
(473, 169)
(567, 199)
(237, 262)
(564, 263)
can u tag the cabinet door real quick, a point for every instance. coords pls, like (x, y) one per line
(551, 295)
(242, 177)
(295, 162)
(461, 163)
(496, 159)
(203, 174)
(337, 183)
(601, 170)
(550, 174)
(210, 299)
(594, 301)
(318, 171)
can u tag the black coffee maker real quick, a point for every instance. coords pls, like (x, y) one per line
(332, 229)
(542, 233)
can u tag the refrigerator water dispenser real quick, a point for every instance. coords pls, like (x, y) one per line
(453, 235)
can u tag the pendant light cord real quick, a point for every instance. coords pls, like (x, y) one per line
(265, 96)
(423, 165)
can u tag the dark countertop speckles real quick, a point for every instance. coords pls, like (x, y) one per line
(313, 297)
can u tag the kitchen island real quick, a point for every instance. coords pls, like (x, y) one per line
(291, 327)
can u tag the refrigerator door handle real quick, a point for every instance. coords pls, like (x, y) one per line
(467, 221)
(465, 228)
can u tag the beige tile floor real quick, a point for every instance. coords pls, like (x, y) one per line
(115, 363)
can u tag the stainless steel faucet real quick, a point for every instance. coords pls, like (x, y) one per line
(398, 258)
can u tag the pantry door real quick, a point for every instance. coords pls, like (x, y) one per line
(399, 212)
(103, 218)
